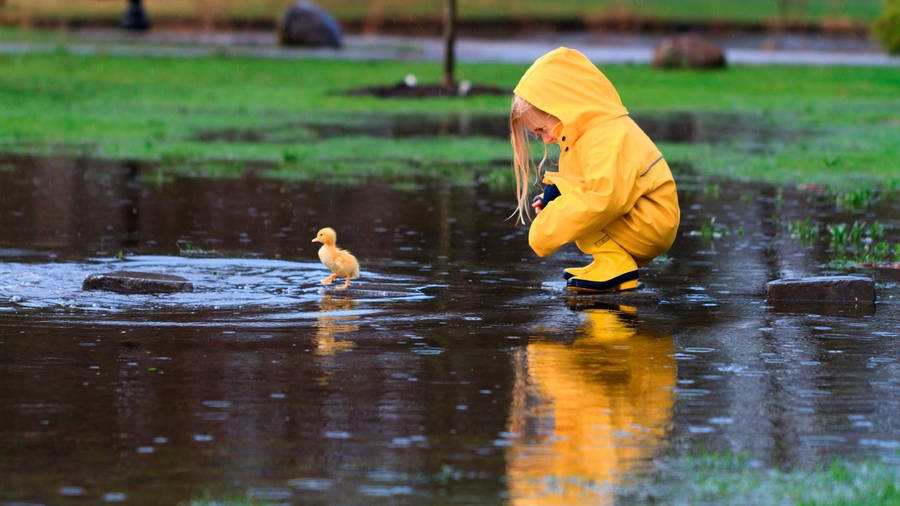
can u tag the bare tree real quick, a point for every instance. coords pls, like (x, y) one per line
(449, 80)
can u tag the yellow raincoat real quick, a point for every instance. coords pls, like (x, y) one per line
(611, 177)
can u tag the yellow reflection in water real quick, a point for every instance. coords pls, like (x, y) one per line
(329, 325)
(587, 412)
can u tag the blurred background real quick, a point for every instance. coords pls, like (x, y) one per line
(475, 17)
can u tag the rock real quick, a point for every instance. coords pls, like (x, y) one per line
(137, 282)
(822, 289)
(688, 51)
(306, 24)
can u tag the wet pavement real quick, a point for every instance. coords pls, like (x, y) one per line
(602, 48)
(455, 370)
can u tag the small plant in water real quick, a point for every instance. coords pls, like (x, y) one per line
(856, 200)
(207, 499)
(881, 251)
(185, 248)
(838, 237)
(709, 231)
(804, 230)
(859, 243)
(857, 234)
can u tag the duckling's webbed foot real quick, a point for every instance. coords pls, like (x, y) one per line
(329, 279)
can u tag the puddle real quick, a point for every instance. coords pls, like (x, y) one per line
(674, 127)
(399, 126)
(453, 367)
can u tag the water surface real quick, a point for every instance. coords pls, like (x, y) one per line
(455, 370)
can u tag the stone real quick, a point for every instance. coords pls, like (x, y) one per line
(822, 290)
(688, 50)
(129, 282)
(306, 24)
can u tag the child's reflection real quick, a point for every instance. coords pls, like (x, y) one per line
(587, 412)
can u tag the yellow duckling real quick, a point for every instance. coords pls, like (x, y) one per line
(340, 261)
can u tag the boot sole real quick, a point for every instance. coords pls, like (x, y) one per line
(611, 285)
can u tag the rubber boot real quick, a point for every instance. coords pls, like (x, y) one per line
(586, 245)
(576, 271)
(612, 270)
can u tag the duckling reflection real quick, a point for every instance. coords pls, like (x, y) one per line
(329, 326)
(585, 414)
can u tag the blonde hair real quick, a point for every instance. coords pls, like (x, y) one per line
(523, 166)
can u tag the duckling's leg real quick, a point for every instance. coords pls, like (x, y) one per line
(346, 284)
(329, 279)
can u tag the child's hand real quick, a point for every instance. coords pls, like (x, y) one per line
(541, 201)
(537, 204)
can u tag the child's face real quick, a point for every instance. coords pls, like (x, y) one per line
(541, 124)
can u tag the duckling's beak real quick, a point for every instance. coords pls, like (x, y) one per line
(315, 239)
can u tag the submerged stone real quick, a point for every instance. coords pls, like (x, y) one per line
(822, 289)
(130, 282)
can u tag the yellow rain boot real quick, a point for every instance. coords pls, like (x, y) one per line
(576, 271)
(612, 270)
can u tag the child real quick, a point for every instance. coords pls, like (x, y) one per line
(613, 194)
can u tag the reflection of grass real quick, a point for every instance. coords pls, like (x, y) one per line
(726, 478)
(154, 108)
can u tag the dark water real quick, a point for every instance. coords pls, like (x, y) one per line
(677, 127)
(453, 371)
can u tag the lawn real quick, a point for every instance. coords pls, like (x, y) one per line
(830, 125)
(754, 11)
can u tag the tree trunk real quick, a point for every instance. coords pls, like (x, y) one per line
(134, 18)
(449, 81)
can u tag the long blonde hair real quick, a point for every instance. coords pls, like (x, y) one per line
(523, 166)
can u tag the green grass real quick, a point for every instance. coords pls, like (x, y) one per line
(833, 125)
(726, 478)
(730, 478)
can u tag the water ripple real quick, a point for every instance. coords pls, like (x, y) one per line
(234, 290)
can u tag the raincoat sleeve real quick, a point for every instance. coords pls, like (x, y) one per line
(593, 195)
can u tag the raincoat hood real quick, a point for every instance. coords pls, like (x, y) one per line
(567, 85)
